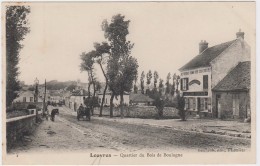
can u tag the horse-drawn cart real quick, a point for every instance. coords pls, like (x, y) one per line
(83, 111)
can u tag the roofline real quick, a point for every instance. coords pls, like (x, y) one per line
(212, 59)
(224, 50)
(194, 68)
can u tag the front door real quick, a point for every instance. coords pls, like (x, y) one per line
(218, 106)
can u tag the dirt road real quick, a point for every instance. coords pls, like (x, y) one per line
(69, 134)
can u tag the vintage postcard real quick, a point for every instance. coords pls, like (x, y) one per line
(129, 83)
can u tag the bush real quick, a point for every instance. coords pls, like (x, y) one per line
(181, 105)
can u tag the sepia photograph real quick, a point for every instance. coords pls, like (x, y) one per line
(97, 83)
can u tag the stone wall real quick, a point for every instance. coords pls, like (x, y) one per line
(140, 112)
(15, 130)
(226, 102)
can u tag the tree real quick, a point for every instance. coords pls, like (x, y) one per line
(181, 107)
(161, 86)
(155, 79)
(87, 62)
(71, 87)
(135, 86)
(101, 51)
(149, 76)
(177, 84)
(142, 82)
(174, 77)
(16, 29)
(122, 68)
(167, 90)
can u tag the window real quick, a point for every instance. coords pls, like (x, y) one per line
(191, 103)
(24, 99)
(202, 104)
(186, 103)
(200, 71)
(184, 83)
(106, 100)
(205, 82)
(31, 99)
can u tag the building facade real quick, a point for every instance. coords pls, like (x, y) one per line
(206, 70)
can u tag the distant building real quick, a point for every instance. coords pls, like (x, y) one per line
(204, 72)
(25, 97)
(116, 100)
(77, 97)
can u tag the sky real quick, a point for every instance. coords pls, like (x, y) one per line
(166, 34)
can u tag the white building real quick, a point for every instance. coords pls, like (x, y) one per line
(116, 100)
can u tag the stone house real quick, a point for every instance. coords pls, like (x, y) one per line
(200, 75)
(116, 100)
(231, 96)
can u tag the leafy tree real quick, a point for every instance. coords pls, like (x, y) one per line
(174, 77)
(161, 86)
(102, 50)
(167, 90)
(180, 106)
(16, 29)
(121, 67)
(149, 76)
(142, 82)
(155, 79)
(87, 62)
(159, 103)
(177, 84)
(135, 86)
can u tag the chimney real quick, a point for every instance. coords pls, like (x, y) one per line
(203, 45)
(240, 34)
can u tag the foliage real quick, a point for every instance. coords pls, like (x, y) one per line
(142, 82)
(149, 76)
(160, 86)
(167, 84)
(71, 87)
(121, 67)
(155, 78)
(16, 29)
(159, 103)
(181, 105)
(91, 102)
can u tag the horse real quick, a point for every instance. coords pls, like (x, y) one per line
(53, 113)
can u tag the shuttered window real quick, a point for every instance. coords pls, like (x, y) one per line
(205, 82)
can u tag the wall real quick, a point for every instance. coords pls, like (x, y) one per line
(226, 102)
(224, 63)
(141, 112)
(15, 130)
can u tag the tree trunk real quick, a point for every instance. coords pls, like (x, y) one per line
(104, 93)
(111, 104)
(122, 105)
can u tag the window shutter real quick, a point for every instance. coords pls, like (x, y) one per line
(181, 84)
(187, 83)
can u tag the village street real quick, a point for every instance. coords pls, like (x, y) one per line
(66, 133)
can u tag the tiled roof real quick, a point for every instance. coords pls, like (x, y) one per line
(204, 59)
(236, 79)
(139, 97)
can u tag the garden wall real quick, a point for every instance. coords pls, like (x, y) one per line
(140, 112)
(17, 127)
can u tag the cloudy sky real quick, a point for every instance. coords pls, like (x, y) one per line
(166, 35)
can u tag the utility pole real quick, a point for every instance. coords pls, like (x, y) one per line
(44, 105)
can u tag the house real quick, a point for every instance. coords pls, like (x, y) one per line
(140, 99)
(231, 96)
(116, 100)
(200, 75)
(25, 96)
(77, 97)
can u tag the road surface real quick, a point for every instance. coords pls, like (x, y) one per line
(66, 133)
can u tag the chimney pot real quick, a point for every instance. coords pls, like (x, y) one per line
(203, 45)
(240, 34)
